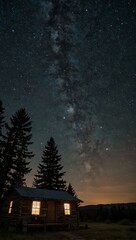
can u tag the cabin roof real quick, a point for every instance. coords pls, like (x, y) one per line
(44, 194)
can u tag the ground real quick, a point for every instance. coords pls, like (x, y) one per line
(88, 231)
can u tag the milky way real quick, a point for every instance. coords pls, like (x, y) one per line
(92, 114)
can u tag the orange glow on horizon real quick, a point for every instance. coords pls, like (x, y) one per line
(104, 194)
(107, 199)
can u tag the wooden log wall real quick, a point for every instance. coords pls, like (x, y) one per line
(71, 219)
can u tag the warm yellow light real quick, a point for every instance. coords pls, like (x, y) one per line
(36, 207)
(10, 207)
(66, 208)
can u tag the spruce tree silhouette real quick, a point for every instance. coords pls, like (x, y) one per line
(15, 151)
(71, 190)
(2, 123)
(49, 174)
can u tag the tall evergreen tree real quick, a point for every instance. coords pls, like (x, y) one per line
(49, 174)
(1, 118)
(16, 152)
(71, 190)
(2, 123)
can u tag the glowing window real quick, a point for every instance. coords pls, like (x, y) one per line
(36, 207)
(66, 208)
(10, 207)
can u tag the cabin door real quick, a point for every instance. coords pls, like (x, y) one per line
(51, 212)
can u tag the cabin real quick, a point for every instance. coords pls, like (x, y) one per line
(28, 208)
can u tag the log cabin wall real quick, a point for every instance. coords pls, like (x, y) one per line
(71, 219)
(51, 211)
(26, 212)
(21, 211)
(7, 218)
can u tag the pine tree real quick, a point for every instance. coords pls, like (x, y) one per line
(15, 152)
(1, 118)
(49, 174)
(2, 123)
(71, 190)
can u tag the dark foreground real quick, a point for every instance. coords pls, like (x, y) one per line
(91, 231)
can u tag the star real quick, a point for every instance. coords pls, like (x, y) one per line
(75, 74)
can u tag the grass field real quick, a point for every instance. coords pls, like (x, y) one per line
(103, 231)
(33, 236)
(95, 231)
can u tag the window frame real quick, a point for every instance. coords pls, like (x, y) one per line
(67, 210)
(10, 207)
(36, 207)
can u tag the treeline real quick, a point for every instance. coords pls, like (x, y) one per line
(123, 213)
(15, 156)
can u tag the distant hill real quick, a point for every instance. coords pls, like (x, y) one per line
(109, 212)
(91, 207)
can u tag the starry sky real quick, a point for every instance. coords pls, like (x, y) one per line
(94, 122)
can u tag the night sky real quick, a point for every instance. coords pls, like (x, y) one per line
(95, 132)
